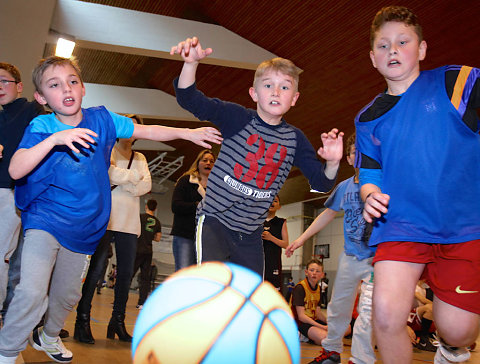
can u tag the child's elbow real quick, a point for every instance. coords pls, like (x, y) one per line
(14, 169)
(14, 174)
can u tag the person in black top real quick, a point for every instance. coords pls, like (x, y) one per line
(188, 193)
(275, 237)
(16, 114)
(151, 230)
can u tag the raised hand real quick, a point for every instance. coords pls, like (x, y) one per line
(191, 50)
(81, 136)
(332, 149)
(201, 135)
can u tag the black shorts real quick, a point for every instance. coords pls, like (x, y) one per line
(303, 327)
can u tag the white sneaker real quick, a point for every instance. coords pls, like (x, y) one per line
(56, 350)
(447, 354)
(7, 359)
(303, 338)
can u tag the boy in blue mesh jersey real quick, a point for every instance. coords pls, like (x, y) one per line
(419, 150)
(257, 153)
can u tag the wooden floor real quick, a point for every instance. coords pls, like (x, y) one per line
(106, 351)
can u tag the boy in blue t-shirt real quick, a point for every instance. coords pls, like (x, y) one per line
(419, 154)
(256, 156)
(354, 266)
(63, 191)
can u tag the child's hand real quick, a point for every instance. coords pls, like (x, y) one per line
(375, 206)
(200, 135)
(266, 235)
(292, 247)
(332, 149)
(75, 135)
(1, 151)
(191, 50)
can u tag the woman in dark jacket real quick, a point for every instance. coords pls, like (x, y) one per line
(189, 191)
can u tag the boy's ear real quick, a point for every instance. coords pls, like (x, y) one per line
(295, 98)
(253, 93)
(422, 50)
(40, 98)
(19, 88)
(372, 58)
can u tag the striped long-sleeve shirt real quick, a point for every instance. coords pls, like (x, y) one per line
(254, 161)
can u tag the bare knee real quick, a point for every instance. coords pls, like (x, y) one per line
(317, 334)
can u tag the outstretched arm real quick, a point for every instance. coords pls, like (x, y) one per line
(318, 224)
(191, 52)
(161, 133)
(331, 151)
(25, 160)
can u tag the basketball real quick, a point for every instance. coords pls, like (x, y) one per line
(215, 313)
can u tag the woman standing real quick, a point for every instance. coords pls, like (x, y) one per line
(189, 191)
(130, 178)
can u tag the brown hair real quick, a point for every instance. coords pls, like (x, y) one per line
(193, 170)
(45, 63)
(278, 64)
(10, 68)
(314, 261)
(395, 13)
(349, 143)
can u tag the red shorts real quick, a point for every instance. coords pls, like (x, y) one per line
(451, 270)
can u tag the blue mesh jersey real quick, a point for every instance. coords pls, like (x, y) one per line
(430, 162)
(254, 161)
(68, 194)
(356, 230)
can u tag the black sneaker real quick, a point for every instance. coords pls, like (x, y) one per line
(55, 350)
(425, 343)
(327, 357)
(63, 334)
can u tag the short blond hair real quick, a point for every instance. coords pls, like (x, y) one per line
(278, 64)
(48, 62)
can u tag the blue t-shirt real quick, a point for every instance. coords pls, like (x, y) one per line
(356, 230)
(68, 194)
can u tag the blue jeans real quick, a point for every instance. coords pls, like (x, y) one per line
(183, 252)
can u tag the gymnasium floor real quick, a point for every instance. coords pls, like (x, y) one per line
(106, 351)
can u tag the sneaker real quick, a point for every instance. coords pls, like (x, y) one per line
(448, 354)
(426, 344)
(56, 350)
(303, 338)
(472, 347)
(64, 334)
(327, 357)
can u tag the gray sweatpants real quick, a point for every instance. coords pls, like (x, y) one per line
(9, 230)
(50, 282)
(350, 273)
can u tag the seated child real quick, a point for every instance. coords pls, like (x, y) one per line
(305, 304)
